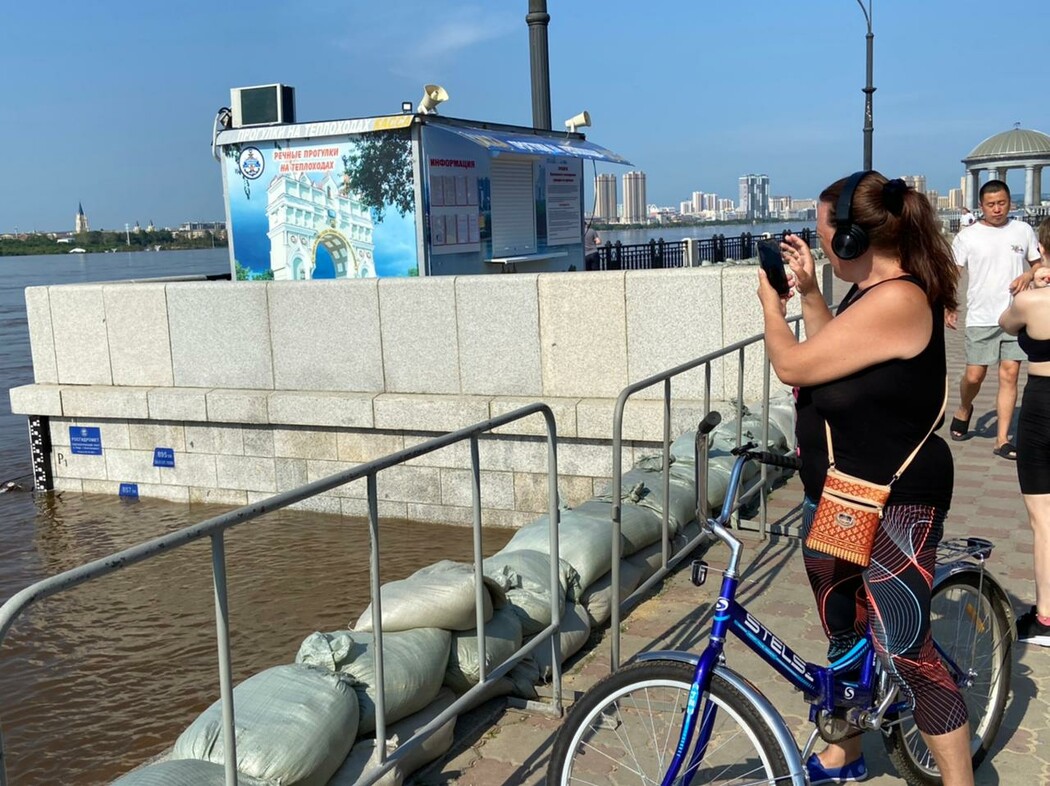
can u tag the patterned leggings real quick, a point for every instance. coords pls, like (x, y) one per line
(893, 596)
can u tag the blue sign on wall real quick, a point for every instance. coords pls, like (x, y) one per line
(163, 457)
(86, 440)
(129, 490)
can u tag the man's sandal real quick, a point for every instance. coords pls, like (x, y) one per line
(959, 428)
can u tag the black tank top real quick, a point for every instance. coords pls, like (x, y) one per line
(1037, 349)
(877, 417)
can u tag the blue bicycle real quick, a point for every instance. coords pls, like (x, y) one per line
(680, 718)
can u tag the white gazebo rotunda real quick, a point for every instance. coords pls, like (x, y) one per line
(1013, 149)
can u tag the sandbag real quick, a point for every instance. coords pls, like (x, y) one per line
(584, 542)
(183, 772)
(437, 596)
(597, 600)
(650, 559)
(645, 488)
(294, 724)
(575, 630)
(524, 577)
(414, 663)
(639, 526)
(502, 639)
(360, 762)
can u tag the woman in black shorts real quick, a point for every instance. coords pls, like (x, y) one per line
(1028, 318)
(876, 373)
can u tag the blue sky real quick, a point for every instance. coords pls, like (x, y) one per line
(111, 104)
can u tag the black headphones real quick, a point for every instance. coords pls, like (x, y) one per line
(850, 240)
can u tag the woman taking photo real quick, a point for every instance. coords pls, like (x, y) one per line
(875, 375)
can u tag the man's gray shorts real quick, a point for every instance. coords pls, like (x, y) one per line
(986, 346)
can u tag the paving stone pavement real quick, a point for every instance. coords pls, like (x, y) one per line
(501, 746)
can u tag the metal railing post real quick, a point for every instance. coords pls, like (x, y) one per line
(479, 577)
(665, 535)
(377, 618)
(554, 517)
(222, 631)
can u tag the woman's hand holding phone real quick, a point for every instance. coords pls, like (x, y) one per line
(800, 261)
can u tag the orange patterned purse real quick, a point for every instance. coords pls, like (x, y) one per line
(850, 508)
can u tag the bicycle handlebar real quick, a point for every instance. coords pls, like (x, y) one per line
(776, 460)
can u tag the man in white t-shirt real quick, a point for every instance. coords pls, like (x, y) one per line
(1000, 256)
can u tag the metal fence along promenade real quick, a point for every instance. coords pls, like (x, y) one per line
(216, 527)
(660, 253)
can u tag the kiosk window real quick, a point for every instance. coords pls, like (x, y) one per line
(513, 208)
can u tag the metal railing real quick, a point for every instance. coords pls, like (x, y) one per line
(749, 490)
(660, 253)
(216, 527)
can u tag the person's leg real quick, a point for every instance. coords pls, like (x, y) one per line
(982, 350)
(951, 751)
(899, 585)
(1039, 519)
(1006, 399)
(835, 584)
(969, 387)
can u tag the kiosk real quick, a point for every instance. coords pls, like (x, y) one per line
(403, 195)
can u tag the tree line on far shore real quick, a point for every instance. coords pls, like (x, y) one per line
(98, 241)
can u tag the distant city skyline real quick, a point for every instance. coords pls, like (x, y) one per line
(719, 91)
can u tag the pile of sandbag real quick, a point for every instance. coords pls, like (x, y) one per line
(298, 723)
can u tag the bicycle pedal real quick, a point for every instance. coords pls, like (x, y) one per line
(699, 573)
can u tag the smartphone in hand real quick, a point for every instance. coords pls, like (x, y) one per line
(772, 261)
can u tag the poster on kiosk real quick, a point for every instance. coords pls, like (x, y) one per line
(404, 195)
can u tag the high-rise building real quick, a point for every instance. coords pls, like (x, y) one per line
(80, 222)
(754, 196)
(918, 182)
(634, 205)
(698, 202)
(934, 198)
(605, 190)
(711, 202)
(955, 199)
(685, 208)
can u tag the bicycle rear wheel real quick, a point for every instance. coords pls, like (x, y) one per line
(973, 630)
(626, 728)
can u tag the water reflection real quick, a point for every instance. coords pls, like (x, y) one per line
(100, 678)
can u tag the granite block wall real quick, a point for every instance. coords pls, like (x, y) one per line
(259, 387)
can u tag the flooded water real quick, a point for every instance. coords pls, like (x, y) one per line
(100, 678)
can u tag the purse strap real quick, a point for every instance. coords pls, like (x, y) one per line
(914, 453)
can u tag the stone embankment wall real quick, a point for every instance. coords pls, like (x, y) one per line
(259, 387)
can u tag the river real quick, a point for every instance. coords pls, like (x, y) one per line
(96, 680)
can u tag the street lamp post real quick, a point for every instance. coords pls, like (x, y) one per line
(538, 19)
(868, 88)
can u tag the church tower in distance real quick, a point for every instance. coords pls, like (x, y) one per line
(81, 220)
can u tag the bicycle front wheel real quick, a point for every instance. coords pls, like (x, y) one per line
(972, 629)
(626, 728)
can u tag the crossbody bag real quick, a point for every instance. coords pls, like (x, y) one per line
(850, 508)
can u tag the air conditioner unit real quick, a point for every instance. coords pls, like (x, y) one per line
(262, 105)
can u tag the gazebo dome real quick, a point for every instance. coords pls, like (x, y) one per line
(1017, 142)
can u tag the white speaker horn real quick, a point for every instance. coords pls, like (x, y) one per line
(432, 96)
(578, 121)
